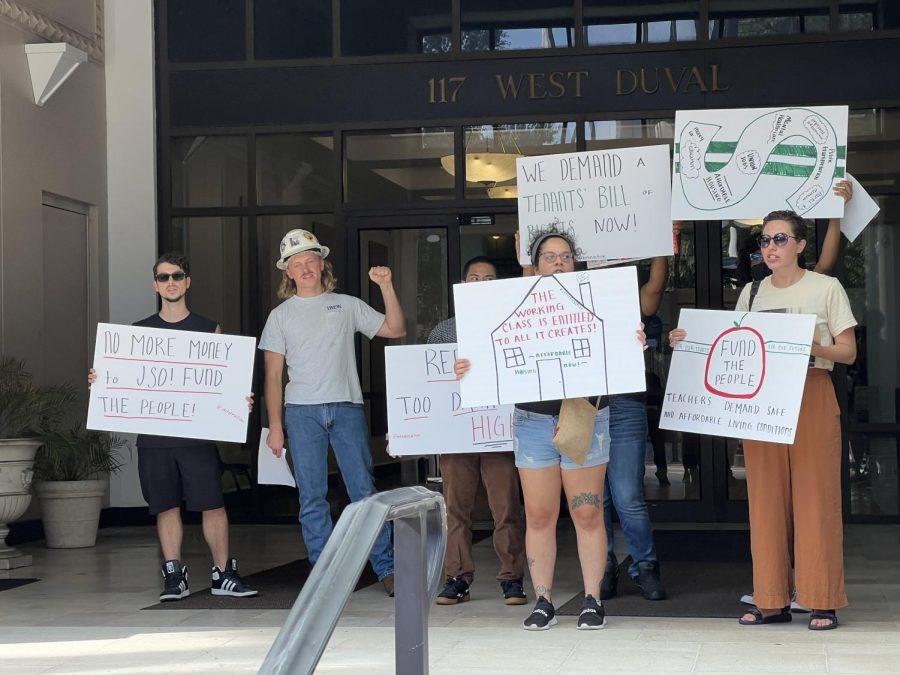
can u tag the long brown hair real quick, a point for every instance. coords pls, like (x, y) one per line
(288, 287)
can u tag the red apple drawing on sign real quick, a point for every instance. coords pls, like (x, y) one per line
(736, 364)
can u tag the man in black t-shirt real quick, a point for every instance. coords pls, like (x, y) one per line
(173, 470)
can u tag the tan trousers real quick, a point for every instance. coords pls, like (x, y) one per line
(497, 470)
(794, 493)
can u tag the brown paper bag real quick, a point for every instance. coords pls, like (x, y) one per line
(575, 430)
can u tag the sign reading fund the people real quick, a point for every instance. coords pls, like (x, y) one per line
(171, 383)
(425, 411)
(738, 374)
(546, 338)
(613, 203)
(746, 163)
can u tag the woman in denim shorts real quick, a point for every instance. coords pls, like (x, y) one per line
(543, 472)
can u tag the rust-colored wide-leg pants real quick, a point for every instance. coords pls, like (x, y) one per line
(794, 493)
(497, 470)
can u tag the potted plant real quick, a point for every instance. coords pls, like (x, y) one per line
(26, 412)
(71, 471)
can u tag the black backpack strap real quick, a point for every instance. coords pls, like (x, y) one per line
(754, 289)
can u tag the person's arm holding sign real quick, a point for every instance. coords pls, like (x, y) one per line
(652, 290)
(832, 242)
(394, 322)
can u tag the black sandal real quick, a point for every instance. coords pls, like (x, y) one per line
(758, 619)
(827, 614)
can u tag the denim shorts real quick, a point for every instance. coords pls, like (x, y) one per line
(532, 435)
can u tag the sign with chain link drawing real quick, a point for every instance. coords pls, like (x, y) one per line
(738, 374)
(746, 163)
(547, 338)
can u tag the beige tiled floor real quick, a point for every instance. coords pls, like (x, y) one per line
(85, 617)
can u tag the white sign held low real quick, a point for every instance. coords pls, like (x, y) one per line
(171, 383)
(738, 374)
(748, 162)
(613, 203)
(546, 338)
(425, 412)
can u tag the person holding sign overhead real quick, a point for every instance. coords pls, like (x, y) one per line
(544, 471)
(313, 332)
(794, 491)
(173, 470)
(461, 473)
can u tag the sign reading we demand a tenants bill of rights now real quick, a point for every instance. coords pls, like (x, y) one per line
(613, 203)
(171, 383)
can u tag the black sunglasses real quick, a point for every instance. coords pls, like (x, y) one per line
(162, 277)
(780, 239)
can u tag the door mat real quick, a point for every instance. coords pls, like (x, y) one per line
(8, 584)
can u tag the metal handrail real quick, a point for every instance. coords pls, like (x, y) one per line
(420, 540)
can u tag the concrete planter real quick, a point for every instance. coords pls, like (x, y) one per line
(16, 471)
(70, 510)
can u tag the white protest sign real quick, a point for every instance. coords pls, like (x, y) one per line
(272, 470)
(547, 338)
(613, 203)
(746, 163)
(171, 383)
(738, 374)
(425, 413)
(859, 211)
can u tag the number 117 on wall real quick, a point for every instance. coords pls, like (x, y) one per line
(438, 88)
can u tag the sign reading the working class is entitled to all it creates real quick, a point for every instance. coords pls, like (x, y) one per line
(738, 374)
(425, 411)
(612, 203)
(171, 383)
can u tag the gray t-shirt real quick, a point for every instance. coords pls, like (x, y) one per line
(316, 337)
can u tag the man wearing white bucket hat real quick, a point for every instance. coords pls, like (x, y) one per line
(313, 332)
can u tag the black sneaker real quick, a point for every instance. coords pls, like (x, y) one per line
(175, 581)
(456, 590)
(229, 582)
(648, 579)
(513, 592)
(592, 615)
(542, 616)
(609, 587)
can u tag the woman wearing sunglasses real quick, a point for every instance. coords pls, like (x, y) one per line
(543, 472)
(794, 491)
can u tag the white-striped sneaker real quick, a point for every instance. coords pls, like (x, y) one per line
(229, 582)
(175, 583)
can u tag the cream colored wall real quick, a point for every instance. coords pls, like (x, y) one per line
(59, 148)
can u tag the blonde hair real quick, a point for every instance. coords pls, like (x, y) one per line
(288, 287)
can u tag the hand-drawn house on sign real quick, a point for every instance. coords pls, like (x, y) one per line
(562, 334)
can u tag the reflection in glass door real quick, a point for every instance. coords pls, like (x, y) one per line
(417, 257)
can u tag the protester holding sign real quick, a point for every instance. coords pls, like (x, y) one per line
(313, 331)
(461, 473)
(794, 491)
(173, 470)
(543, 471)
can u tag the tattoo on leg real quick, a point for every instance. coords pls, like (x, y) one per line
(586, 499)
(530, 562)
(542, 590)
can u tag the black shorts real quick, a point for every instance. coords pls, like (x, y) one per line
(170, 475)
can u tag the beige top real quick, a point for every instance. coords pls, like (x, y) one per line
(813, 294)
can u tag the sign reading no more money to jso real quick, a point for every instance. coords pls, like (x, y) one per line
(425, 412)
(738, 374)
(613, 203)
(171, 383)
(748, 162)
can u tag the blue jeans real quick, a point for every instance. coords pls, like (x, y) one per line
(309, 430)
(625, 478)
